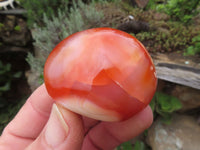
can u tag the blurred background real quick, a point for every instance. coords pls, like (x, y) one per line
(169, 29)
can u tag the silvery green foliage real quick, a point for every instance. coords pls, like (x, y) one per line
(80, 17)
(36, 9)
(35, 64)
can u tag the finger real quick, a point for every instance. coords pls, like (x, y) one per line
(89, 123)
(64, 130)
(107, 136)
(29, 121)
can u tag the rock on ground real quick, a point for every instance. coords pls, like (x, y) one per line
(189, 97)
(182, 134)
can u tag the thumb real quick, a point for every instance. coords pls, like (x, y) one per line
(64, 130)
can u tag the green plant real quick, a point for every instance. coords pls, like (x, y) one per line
(6, 78)
(169, 36)
(8, 112)
(182, 10)
(36, 9)
(155, 4)
(179, 10)
(1, 26)
(37, 66)
(165, 105)
(79, 17)
(125, 146)
(17, 28)
(138, 145)
(194, 48)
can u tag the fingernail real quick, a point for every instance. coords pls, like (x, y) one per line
(57, 129)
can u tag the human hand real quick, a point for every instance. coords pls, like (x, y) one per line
(42, 125)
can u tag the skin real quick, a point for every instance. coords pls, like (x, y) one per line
(41, 124)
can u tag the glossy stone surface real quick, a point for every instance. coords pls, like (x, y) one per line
(102, 73)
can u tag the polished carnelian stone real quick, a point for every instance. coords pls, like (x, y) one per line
(106, 68)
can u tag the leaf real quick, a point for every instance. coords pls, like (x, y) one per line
(4, 68)
(125, 146)
(190, 51)
(196, 39)
(139, 145)
(17, 28)
(1, 25)
(5, 87)
(167, 103)
(17, 75)
(8, 67)
(175, 103)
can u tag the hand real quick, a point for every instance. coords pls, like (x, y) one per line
(43, 125)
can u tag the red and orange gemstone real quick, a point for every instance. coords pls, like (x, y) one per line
(101, 73)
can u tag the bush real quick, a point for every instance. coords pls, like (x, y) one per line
(37, 8)
(182, 10)
(179, 10)
(195, 47)
(169, 36)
